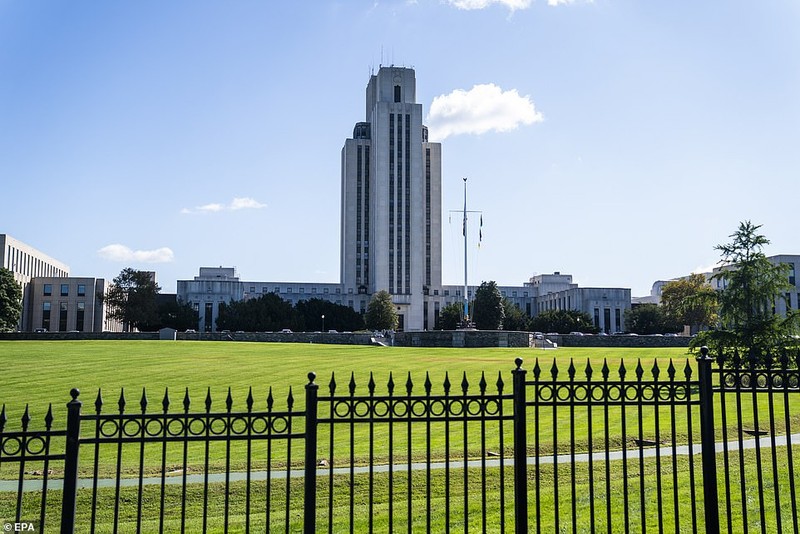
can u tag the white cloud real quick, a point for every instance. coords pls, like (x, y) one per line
(482, 109)
(482, 4)
(117, 252)
(238, 203)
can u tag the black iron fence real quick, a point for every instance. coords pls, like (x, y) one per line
(580, 450)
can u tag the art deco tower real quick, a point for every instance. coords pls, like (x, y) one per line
(391, 202)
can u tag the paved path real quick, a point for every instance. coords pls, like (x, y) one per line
(256, 476)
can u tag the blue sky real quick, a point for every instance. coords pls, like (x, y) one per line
(615, 140)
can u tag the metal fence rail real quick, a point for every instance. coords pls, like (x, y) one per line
(576, 449)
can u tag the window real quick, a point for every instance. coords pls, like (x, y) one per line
(81, 290)
(325, 290)
(252, 289)
(79, 318)
(62, 317)
(46, 315)
(64, 290)
(48, 290)
(397, 93)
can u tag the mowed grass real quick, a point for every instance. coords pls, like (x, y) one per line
(37, 373)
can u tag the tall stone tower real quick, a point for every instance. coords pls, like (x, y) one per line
(392, 203)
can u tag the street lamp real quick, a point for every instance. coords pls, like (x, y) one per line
(323, 322)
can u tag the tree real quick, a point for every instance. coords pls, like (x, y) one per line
(487, 309)
(268, 313)
(450, 316)
(563, 322)
(337, 316)
(132, 299)
(175, 314)
(10, 301)
(648, 319)
(515, 319)
(381, 314)
(751, 286)
(690, 301)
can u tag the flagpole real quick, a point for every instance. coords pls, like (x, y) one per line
(466, 298)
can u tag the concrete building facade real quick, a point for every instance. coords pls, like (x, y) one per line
(27, 263)
(69, 304)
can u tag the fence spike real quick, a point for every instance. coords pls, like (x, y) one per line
(622, 370)
(639, 369)
(332, 383)
(143, 402)
(48, 419)
(671, 370)
(554, 370)
(482, 383)
(446, 383)
(784, 360)
(500, 382)
(409, 384)
(687, 371)
(571, 370)
(121, 401)
(371, 384)
(537, 371)
(98, 402)
(428, 384)
(588, 371)
(165, 402)
(464, 384)
(3, 418)
(290, 399)
(270, 399)
(655, 371)
(390, 384)
(208, 399)
(605, 371)
(352, 385)
(186, 400)
(250, 400)
(26, 418)
(229, 400)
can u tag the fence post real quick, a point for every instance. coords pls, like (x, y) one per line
(520, 451)
(71, 463)
(707, 442)
(310, 476)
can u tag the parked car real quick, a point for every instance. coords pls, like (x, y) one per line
(286, 331)
(40, 330)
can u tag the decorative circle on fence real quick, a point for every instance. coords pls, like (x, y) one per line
(217, 426)
(400, 408)
(545, 393)
(131, 428)
(176, 427)
(153, 427)
(419, 408)
(239, 426)
(108, 428)
(259, 425)
(598, 393)
(456, 407)
(35, 445)
(613, 393)
(279, 424)
(197, 426)
(361, 408)
(437, 408)
(11, 446)
(380, 408)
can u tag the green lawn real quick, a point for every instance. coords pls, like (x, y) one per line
(38, 373)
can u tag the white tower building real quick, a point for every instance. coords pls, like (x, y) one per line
(391, 202)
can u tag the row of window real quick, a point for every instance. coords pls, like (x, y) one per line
(47, 290)
(63, 317)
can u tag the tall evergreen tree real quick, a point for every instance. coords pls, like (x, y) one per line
(487, 309)
(381, 314)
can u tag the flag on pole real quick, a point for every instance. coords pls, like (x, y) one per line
(480, 232)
